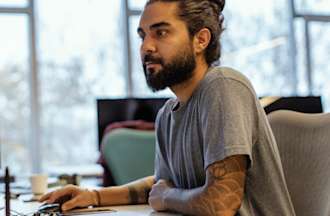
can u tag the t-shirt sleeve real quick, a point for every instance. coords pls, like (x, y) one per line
(228, 120)
(161, 168)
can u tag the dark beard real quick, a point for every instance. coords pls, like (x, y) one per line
(177, 71)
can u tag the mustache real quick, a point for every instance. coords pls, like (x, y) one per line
(153, 59)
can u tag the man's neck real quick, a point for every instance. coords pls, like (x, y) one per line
(184, 90)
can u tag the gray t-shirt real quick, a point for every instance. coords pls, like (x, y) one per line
(222, 118)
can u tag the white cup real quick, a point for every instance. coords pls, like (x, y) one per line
(39, 183)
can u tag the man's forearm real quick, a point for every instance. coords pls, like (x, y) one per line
(180, 200)
(132, 193)
(221, 195)
(202, 201)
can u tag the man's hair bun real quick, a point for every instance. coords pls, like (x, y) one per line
(219, 3)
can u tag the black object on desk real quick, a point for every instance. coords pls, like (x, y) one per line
(309, 104)
(48, 209)
(53, 208)
(7, 191)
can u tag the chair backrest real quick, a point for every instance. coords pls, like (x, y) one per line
(304, 145)
(129, 154)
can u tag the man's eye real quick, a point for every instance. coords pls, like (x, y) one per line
(161, 33)
(141, 37)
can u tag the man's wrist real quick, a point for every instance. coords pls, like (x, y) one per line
(96, 198)
(167, 198)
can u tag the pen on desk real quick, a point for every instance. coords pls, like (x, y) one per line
(7, 191)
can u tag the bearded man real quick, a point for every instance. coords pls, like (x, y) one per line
(215, 151)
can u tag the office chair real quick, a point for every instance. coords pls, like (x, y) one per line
(129, 153)
(304, 145)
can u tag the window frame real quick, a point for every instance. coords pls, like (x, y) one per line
(307, 18)
(128, 13)
(34, 130)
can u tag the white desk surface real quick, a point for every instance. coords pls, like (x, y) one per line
(27, 208)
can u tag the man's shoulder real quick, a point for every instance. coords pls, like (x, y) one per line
(225, 74)
(225, 77)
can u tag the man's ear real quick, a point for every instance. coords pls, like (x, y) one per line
(202, 40)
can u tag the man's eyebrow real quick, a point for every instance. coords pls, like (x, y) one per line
(160, 24)
(153, 26)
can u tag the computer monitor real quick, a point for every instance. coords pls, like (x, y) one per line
(308, 104)
(115, 110)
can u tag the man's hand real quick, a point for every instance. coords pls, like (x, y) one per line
(79, 197)
(158, 193)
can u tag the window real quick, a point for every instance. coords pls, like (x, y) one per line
(320, 55)
(313, 48)
(81, 59)
(256, 43)
(136, 5)
(13, 3)
(313, 7)
(14, 93)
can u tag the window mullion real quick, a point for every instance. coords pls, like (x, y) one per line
(34, 147)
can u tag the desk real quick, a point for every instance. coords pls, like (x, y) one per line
(27, 208)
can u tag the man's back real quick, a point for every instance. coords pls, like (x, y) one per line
(222, 118)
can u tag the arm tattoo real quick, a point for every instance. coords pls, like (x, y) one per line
(222, 193)
(139, 193)
(224, 188)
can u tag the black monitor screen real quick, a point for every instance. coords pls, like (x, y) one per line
(115, 110)
(310, 104)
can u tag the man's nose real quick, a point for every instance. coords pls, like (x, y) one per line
(148, 45)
